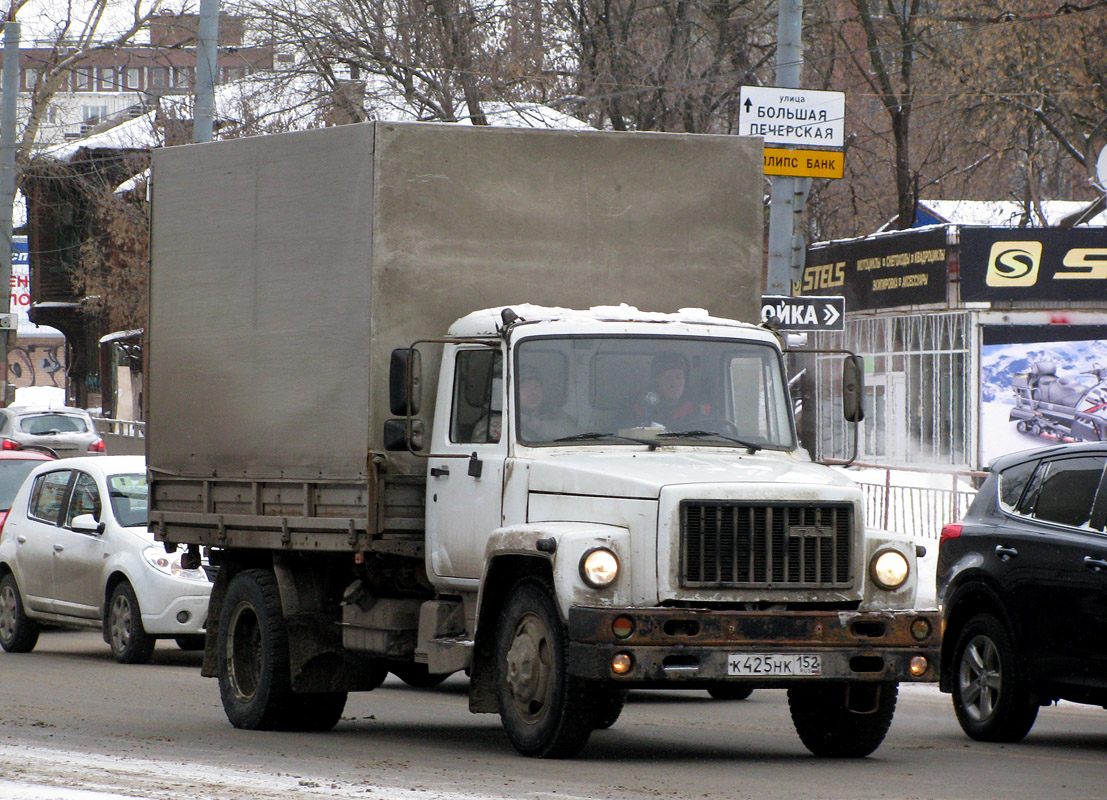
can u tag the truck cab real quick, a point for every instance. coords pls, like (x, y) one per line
(640, 472)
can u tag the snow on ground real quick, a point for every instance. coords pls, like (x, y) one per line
(41, 773)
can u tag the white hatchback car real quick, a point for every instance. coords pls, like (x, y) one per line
(75, 551)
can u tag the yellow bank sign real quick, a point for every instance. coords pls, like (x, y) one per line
(804, 163)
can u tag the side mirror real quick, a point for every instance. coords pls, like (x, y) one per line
(396, 438)
(853, 388)
(86, 523)
(404, 395)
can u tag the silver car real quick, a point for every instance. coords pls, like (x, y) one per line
(75, 551)
(63, 432)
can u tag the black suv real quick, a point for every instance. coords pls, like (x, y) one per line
(1022, 582)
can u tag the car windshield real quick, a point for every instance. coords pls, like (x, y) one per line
(12, 473)
(129, 496)
(663, 390)
(52, 423)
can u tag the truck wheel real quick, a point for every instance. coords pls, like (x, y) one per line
(545, 712)
(129, 641)
(417, 675)
(314, 711)
(827, 727)
(725, 690)
(607, 707)
(190, 641)
(992, 704)
(18, 632)
(252, 652)
(375, 674)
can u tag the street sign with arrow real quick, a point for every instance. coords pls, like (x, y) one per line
(810, 313)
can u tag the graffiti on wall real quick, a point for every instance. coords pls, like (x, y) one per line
(37, 363)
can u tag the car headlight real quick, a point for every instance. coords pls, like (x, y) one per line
(157, 558)
(889, 569)
(599, 567)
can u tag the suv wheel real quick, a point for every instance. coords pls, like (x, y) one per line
(992, 703)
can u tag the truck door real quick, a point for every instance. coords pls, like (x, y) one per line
(465, 495)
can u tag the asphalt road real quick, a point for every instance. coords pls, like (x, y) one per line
(74, 725)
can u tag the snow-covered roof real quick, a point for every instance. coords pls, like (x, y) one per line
(1006, 214)
(282, 102)
(488, 321)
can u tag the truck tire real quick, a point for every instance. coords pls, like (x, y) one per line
(375, 674)
(129, 641)
(991, 702)
(252, 653)
(417, 675)
(827, 727)
(725, 690)
(607, 707)
(18, 632)
(190, 641)
(546, 713)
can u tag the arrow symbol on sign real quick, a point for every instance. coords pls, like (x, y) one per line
(749, 104)
(830, 314)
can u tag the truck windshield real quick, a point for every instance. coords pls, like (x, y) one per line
(660, 390)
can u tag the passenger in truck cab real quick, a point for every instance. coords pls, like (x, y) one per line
(538, 422)
(668, 400)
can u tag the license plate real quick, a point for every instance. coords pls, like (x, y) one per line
(777, 665)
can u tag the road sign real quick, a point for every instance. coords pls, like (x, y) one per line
(804, 163)
(792, 116)
(804, 313)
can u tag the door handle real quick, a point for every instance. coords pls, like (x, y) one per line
(438, 472)
(1006, 553)
(1095, 564)
(21, 539)
(58, 548)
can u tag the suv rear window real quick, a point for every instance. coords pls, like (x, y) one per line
(52, 423)
(1064, 491)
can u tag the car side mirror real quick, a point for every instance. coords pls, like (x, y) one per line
(853, 388)
(86, 523)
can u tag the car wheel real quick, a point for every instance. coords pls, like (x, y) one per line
(18, 632)
(417, 675)
(190, 641)
(545, 712)
(374, 675)
(843, 721)
(992, 703)
(130, 643)
(724, 690)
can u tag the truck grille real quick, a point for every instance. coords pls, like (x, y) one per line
(752, 545)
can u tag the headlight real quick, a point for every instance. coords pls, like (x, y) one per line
(889, 569)
(157, 558)
(599, 567)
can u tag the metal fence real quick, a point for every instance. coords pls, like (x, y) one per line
(122, 437)
(915, 502)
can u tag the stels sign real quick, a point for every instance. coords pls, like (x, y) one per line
(1033, 264)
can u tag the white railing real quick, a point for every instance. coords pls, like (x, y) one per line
(917, 502)
(122, 436)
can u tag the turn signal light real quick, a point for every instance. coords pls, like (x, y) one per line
(918, 666)
(98, 447)
(622, 627)
(951, 531)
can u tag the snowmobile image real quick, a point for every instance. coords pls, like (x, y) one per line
(1060, 409)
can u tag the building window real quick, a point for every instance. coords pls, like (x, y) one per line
(108, 81)
(182, 76)
(159, 78)
(84, 80)
(93, 115)
(30, 78)
(133, 78)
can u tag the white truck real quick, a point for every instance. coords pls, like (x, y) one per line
(412, 388)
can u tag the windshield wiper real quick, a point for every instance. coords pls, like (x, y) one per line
(751, 448)
(594, 435)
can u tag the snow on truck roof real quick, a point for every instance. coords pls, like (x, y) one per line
(488, 321)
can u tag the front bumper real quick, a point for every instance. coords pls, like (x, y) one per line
(673, 647)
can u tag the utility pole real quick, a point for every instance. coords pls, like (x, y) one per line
(9, 93)
(207, 62)
(789, 194)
